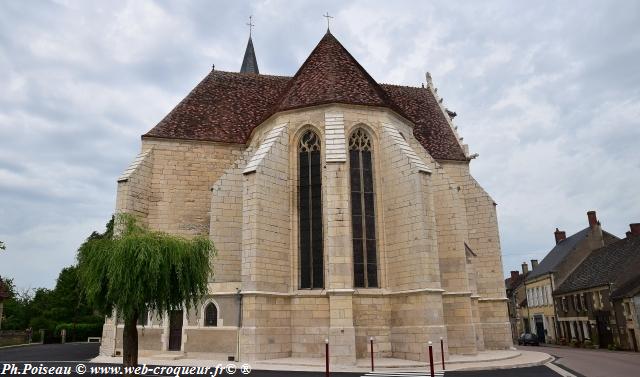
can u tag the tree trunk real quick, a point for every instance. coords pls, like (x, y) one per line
(130, 342)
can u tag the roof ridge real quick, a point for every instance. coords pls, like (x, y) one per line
(327, 41)
(402, 86)
(240, 74)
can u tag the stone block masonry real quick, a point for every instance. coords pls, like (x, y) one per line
(438, 251)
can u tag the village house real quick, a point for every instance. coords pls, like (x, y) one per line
(539, 313)
(516, 297)
(597, 303)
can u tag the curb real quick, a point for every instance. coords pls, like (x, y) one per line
(20, 345)
(548, 359)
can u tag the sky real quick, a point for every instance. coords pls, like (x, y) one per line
(547, 93)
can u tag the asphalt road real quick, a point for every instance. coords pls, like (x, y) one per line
(594, 363)
(14, 361)
(50, 352)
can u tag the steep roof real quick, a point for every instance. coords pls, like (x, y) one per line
(249, 63)
(329, 75)
(224, 107)
(432, 128)
(558, 254)
(617, 263)
(227, 106)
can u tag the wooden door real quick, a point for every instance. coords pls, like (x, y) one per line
(175, 330)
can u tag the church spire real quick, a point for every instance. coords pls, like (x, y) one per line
(249, 63)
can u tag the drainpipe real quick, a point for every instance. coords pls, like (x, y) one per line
(553, 306)
(239, 295)
(528, 306)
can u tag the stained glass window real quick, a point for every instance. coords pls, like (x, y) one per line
(365, 265)
(310, 212)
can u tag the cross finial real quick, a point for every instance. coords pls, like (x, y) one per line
(250, 24)
(328, 19)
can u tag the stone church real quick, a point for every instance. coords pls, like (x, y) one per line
(340, 208)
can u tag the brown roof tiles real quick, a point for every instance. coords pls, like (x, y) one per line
(226, 106)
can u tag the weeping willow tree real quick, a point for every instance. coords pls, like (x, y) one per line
(135, 269)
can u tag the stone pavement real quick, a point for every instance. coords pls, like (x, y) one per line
(482, 361)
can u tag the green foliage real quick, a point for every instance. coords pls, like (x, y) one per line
(136, 269)
(79, 332)
(44, 308)
(2, 246)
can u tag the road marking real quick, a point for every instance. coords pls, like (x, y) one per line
(559, 370)
(403, 374)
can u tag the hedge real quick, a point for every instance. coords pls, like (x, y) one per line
(79, 332)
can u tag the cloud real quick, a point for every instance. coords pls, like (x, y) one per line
(546, 93)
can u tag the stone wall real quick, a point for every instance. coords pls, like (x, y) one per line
(431, 284)
(266, 327)
(182, 175)
(409, 227)
(226, 221)
(416, 319)
(266, 257)
(372, 318)
(309, 325)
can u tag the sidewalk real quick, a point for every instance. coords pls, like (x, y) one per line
(482, 361)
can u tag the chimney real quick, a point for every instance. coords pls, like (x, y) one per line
(635, 229)
(525, 268)
(593, 220)
(534, 264)
(514, 275)
(561, 235)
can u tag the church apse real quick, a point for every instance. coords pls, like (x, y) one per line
(342, 209)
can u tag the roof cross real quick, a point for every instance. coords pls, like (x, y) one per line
(328, 19)
(251, 25)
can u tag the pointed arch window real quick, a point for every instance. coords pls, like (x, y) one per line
(310, 212)
(365, 264)
(211, 315)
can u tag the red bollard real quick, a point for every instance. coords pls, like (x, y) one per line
(431, 359)
(326, 352)
(371, 339)
(442, 351)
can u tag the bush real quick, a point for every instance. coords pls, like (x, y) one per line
(80, 331)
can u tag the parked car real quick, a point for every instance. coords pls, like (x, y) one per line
(528, 339)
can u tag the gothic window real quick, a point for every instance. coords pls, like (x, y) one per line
(365, 265)
(310, 212)
(211, 315)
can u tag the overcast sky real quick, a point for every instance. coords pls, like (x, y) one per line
(548, 93)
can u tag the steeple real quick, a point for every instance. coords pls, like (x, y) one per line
(249, 63)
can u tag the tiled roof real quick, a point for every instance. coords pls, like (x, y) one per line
(224, 107)
(617, 263)
(432, 129)
(558, 254)
(227, 106)
(329, 75)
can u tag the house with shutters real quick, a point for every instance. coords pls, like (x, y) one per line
(340, 208)
(538, 313)
(598, 302)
